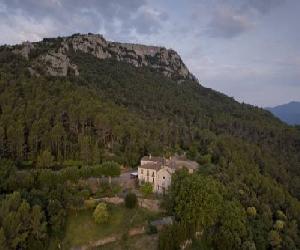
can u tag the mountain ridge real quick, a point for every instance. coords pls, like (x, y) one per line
(56, 55)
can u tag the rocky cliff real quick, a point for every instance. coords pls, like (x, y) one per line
(55, 53)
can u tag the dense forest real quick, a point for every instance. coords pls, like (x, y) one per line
(54, 130)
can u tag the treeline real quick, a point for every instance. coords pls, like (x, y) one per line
(70, 122)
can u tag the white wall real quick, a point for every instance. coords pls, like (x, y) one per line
(147, 175)
(163, 180)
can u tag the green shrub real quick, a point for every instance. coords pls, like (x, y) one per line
(90, 203)
(131, 200)
(115, 189)
(205, 159)
(101, 214)
(274, 239)
(251, 211)
(85, 193)
(146, 189)
(279, 225)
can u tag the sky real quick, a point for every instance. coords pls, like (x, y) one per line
(247, 49)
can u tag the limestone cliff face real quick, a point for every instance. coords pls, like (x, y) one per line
(57, 62)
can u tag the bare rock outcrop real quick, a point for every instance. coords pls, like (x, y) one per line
(24, 49)
(58, 62)
(92, 44)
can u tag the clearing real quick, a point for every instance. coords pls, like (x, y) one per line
(81, 228)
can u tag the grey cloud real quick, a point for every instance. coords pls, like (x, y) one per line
(231, 18)
(149, 20)
(70, 16)
(261, 6)
(227, 23)
(53, 7)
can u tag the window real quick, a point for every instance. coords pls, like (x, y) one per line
(142, 171)
(164, 177)
(147, 172)
(153, 180)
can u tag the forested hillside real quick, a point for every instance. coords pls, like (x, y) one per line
(114, 111)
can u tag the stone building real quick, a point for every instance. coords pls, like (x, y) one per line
(158, 170)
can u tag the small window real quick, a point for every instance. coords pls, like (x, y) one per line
(142, 171)
(164, 177)
(153, 180)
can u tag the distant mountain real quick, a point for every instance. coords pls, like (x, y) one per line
(289, 113)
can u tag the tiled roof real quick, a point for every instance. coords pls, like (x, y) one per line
(186, 163)
(157, 162)
(153, 158)
(155, 166)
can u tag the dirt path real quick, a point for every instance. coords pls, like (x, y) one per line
(110, 239)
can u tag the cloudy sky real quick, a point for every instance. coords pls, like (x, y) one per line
(248, 49)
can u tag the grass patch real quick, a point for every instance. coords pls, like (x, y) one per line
(82, 229)
(144, 242)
